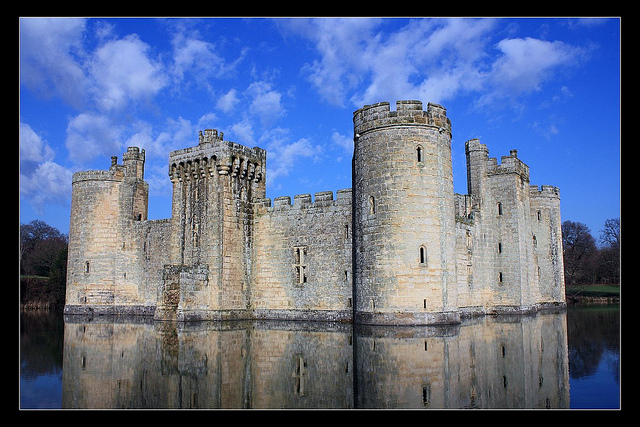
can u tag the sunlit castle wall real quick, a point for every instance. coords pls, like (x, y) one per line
(398, 248)
(546, 226)
(518, 240)
(209, 272)
(302, 257)
(404, 263)
(105, 267)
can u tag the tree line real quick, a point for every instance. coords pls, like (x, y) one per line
(586, 262)
(43, 259)
(43, 265)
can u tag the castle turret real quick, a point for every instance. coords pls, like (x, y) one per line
(102, 270)
(546, 226)
(503, 220)
(404, 269)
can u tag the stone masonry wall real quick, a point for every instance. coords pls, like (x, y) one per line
(404, 214)
(302, 257)
(398, 248)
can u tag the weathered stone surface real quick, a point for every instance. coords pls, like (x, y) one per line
(398, 248)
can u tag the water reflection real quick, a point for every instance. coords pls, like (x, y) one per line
(489, 362)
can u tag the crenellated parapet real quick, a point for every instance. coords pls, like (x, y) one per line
(209, 135)
(544, 191)
(214, 156)
(321, 200)
(408, 113)
(509, 164)
(480, 162)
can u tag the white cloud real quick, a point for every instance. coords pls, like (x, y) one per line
(228, 101)
(123, 72)
(50, 183)
(283, 155)
(207, 121)
(362, 63)
(50, 58)
(199, 59)
(32, 147)
(345, 142)
(184, 133)
(431, 59)
(156, 144)
(241, 132)
(266, 103)
(524, 66)
(91, 135)
(526, 63)
(41, 180)
(340, 43)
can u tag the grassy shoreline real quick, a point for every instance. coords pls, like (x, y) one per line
(593, 294)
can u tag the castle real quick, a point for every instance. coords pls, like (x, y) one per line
(398, 248)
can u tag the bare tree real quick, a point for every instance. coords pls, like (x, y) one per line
(609, 259)
(610, 236)
(580, 251)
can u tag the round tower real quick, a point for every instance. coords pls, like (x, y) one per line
(403, 214)
(102, 270)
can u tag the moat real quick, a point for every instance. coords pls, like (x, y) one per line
(568, 359)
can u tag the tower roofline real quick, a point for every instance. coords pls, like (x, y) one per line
(409, 113)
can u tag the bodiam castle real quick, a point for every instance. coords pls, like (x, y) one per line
(398, 248)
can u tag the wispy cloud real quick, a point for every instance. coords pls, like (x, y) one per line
(283, 153)
(117, 83)
(361, 62)
(51, 58)
(41, 179)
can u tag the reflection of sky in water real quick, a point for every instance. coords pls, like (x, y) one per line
(600, 390)
(41, 392)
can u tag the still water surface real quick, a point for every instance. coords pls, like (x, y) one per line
(551, 360)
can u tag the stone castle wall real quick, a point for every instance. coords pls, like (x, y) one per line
(302, 254)
(398, 248)
(403, 198)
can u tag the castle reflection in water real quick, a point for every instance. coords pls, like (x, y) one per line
(488, 362)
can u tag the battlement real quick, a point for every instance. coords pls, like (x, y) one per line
(210, 135)
(96, 175)
(132, 167)
(476, 145)
(133, 153)
(409, 113)
(214, 155)
(508, 164)
(544, 191)
(303, 201)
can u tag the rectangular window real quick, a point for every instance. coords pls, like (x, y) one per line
(300, 265)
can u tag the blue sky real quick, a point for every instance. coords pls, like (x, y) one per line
(89, 88)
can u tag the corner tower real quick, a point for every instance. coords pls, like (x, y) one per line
(103, 266)
(403, 214)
